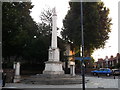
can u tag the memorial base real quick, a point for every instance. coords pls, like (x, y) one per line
(52, 67)
(52, 79)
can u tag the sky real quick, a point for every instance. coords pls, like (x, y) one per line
(62, 6)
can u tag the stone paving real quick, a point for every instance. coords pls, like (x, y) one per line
(92, 82)
(95, 82)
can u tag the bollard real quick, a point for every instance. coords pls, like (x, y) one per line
(98, 76)
(114, 76)
(72, 68)
(17, 72)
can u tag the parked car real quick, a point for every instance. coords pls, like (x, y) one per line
(105, 71)
(115, 72)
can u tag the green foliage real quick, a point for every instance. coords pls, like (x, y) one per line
(18, 28)
(96, 25)
(23, 39)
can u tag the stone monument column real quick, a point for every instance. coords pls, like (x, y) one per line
(53, 65)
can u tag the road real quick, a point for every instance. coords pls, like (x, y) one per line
(92, 82)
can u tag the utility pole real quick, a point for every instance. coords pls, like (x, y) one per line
(82, 37)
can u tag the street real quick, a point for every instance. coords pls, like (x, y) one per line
(102, 82)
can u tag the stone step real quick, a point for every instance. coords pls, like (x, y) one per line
(55, 76)
(52, 79)
(52, 82)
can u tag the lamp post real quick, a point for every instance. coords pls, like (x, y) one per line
(82, 37)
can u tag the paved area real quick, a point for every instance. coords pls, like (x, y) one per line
(95, 82)
(92, 82)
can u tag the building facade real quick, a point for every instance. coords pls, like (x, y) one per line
(108, 62)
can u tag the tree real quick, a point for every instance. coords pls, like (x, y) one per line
(45, 26)
(96, 25)
(46, 16)
(18, 28)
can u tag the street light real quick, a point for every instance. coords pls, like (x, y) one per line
(82, 37)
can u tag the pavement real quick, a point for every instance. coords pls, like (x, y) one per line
(92, 82)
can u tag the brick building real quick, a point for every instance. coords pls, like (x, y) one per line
(107, 62)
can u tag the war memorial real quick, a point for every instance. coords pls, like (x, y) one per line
(53, 73)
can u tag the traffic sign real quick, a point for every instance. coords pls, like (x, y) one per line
(78, 58)
(84, 58)
(88, 58)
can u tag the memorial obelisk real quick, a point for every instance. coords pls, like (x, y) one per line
(53, 65)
